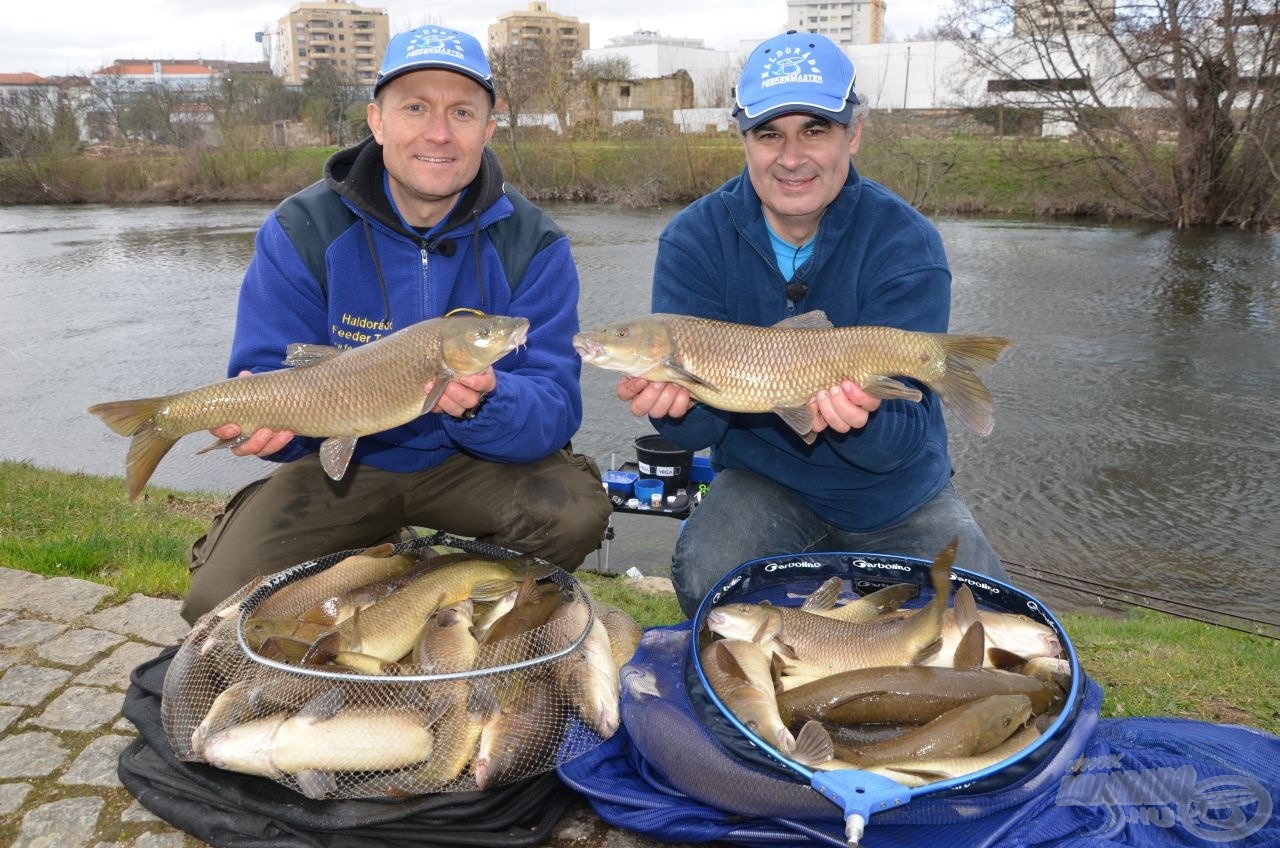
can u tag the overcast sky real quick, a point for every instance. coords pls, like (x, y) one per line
(79, 36)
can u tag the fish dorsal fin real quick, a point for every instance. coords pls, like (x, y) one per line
(813, 320)
(323, 706)
(890, 389)
(813, 744)
(302, 354)
(335, 455)
(964, 607)
(799, 419)
(824, 597)
(323, 649)
(971, 650)
(890, 598)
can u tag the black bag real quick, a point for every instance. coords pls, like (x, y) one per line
(234, 810)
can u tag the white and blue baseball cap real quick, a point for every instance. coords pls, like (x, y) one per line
(435, 47)
(795, 72)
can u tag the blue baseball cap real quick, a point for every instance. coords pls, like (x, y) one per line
(435, 47)
(795, 72)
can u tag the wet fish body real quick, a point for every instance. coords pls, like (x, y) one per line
(381, 385)
(745, 368)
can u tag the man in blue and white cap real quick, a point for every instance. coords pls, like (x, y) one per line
(801, 230)
(412, 223)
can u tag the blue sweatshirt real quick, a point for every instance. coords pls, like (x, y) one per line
(335, 264)
(876, 261)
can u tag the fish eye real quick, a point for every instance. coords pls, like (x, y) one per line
(621, 332)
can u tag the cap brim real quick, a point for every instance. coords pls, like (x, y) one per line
(841, 113)
(487, 85)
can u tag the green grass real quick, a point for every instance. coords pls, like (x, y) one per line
(75, 525)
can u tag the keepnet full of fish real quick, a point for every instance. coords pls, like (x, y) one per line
(399, 671)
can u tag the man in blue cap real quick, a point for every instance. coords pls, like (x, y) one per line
(801, 230)
(412, 223)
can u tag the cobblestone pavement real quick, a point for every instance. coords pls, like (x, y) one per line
(65, 661)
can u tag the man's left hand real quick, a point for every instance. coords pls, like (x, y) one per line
(465, 393)
(842, 408)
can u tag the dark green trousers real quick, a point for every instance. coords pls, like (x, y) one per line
(555, 509)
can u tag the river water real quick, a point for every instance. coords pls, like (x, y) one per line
(1137, 441)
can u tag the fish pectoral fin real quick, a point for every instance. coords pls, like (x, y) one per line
(888, 388)
(799, 419)
(813, 745)
(928, 652)
(220, 444)
(335, 455)
(301, 354)
(315, 784)
(815, 319)
(323, 649)
(438, 386)
(679, 373)
(1005, 660)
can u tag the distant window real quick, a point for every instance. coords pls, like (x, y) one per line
(624, 91)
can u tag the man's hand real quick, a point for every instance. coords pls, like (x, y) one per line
(261, 443)
(464, 393)
(660, 400)
(842, 408)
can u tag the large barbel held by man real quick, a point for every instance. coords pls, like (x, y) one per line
(336, 394)
(745, 368)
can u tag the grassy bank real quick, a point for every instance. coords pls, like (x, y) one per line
(74, 525)
(956, 174)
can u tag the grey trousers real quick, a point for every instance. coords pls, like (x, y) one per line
(555, 509)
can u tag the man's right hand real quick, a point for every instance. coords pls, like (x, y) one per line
(658, 400)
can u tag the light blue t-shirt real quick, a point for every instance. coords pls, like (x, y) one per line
(788, 255)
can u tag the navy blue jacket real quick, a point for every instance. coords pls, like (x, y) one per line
(876, 261)
(335, 265)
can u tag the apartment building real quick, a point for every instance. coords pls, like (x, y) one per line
(846, 22)
(538, 32)
(1039, 16)
(335, 32)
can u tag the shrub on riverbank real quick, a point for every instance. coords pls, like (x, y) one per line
(954, 175)
(76, 525)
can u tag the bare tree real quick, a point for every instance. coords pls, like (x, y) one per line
(330, 98)
(519, 81)
(1176, 100)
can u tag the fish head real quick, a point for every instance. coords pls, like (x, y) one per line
(1021, 635)
(749, 622)
(246, 747)
(633, 347)
(470, 343)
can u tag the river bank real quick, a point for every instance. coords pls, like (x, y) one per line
(955, 174)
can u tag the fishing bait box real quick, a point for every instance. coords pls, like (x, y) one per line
(787, 580)
(215, 657)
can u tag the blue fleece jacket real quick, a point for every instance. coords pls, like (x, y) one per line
(336, 265)
(876, 261)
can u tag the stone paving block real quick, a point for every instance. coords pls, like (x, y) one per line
(96, 765)
(169, 839)
(12, 795)
(155, 619)
(7, 616)
(61, 598)
(80, 708)
(30, 755)
(135, 813)
(114, 670)
(79, 646)
(26, 632)
(29, 685)
(8, 715)
(68, 823)
(13, 585)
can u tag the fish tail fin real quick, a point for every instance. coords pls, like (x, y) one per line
(960, 387)
(136, 418)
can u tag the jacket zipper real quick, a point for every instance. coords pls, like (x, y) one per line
(426, 297)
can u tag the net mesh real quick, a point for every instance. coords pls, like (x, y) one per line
(438, 665)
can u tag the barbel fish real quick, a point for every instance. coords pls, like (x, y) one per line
(380, 385)
(745, 368)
